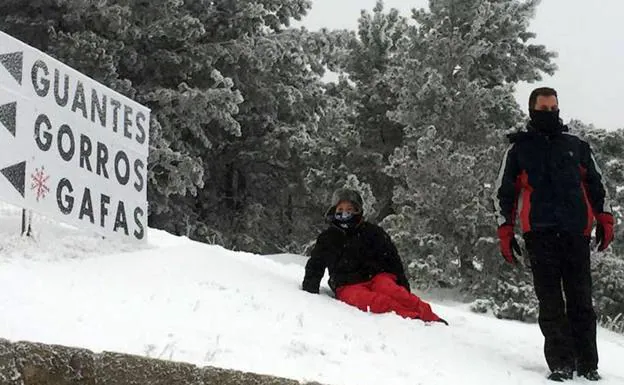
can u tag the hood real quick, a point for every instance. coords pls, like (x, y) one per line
(344, 194)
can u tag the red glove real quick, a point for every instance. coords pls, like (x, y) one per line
(508, 245)
(604, 230)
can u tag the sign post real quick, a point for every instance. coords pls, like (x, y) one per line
(26, 223)
(71, 148)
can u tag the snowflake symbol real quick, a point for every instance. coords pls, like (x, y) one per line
(39, 180)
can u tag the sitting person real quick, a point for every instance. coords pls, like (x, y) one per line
(365, 269)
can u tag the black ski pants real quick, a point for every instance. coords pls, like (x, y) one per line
(562, 278)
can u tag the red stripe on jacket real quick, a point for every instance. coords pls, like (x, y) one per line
(590, 212)
(524, 196)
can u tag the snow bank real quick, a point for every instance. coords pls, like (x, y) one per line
(185, 301)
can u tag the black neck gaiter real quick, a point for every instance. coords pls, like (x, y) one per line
(545, 121)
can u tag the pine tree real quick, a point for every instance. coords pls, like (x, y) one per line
(365, 63)
(260, 196)
(158, 53)
(232, 91)
(608, 266)
(456, 101)
(608, 149)
(331, 154)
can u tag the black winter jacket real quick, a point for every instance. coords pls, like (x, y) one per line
(551, 181)
(352, 256)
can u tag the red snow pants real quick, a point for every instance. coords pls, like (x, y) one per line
(382, 295)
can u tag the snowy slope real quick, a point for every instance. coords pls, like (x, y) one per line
(186, 301)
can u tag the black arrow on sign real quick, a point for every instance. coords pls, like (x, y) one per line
(13, 62)
(7, 116)
(16, 174)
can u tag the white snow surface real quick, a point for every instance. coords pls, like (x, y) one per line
(185, 301)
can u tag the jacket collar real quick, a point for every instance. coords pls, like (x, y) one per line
(358, 227)
(532, 132)
(562, 128)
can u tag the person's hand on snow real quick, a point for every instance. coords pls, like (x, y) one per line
(431, 321)
(310, 288)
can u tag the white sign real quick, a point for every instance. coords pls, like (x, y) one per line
(71, 148)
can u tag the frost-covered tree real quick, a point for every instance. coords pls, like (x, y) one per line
(365, 62)
(608, 289)
(608, 267)
(260, 198)
(160, 53)
(462, 59)
(331, 157)
(232, 90)
(608, 148)
(253, 196)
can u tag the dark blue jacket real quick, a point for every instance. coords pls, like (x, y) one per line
(552, 181)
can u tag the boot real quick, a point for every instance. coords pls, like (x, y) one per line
(591, 375)
(561, 375)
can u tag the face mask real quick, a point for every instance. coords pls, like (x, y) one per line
(545, 121)
(346, 220)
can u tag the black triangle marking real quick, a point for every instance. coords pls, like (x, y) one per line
(16, 174)
(13, 62)
(8, 113)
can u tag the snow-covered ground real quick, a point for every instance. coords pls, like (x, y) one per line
(185, 301)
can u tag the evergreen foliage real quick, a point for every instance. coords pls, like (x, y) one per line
(248, 140)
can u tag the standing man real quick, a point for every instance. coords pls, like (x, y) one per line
(550, 178)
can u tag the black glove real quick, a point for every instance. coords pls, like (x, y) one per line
(402, 281)
(443, 321)
(310, 287)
